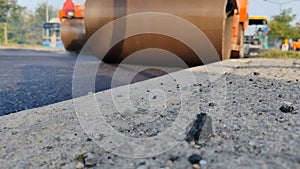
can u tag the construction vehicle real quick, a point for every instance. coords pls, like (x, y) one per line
(256, 36)
(222, 21)
(296, 45)
(72, 26)
(240, 24)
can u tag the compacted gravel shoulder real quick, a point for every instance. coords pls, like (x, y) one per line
(254, 106)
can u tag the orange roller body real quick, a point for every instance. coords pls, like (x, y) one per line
(214, 18)
(240, 24)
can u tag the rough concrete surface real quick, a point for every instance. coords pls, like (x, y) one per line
(249, 129)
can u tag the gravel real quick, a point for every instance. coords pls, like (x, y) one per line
(249, 130)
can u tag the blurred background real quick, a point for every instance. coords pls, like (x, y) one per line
(22, 21)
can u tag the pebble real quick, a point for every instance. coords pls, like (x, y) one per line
(285, 108)
(90, 159)
(195, 158)
(80, 165)
(281, 119)
(294, 112)
(197, 146)
(196, 166)
(141, 133)
(14, 132)
(203, 162)
(256, 73)
(212, 104)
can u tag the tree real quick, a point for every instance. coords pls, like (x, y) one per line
(12, 17)
(16, 23)
(4, 9)
(21, 26)
(281, 26)
(36, 21)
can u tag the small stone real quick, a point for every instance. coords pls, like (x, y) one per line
(142, 163)
(203, 162)
(196, 166)
(90, 159)
(154, 97)
(197, 146)
(173, 158)
(294, 112)
(80, 165)
(200, 129)
(212, 104)
(142, 111)
(195, 159)
(286, 108)
(14, 132)
(48, 148)
(256, 73)
(281, 120)
(141, 133)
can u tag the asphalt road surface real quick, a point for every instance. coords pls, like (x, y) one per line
(30, 78)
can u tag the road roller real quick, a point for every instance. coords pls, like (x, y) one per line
(222, 21)
(72, 26)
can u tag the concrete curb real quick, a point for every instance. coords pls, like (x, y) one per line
(248, 126)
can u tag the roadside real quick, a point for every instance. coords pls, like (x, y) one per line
(29, 47)
(280, 54)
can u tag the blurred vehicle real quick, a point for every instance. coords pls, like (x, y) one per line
(71, 17)
(256, 36)
(222, 21)
(51, 34)
(240, 24)
(296, 45)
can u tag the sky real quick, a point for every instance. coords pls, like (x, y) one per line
(256, 7)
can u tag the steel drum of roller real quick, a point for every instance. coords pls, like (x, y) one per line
(213, 18)
(73, 34)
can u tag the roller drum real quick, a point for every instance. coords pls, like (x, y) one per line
(214, 18)
(73, 34)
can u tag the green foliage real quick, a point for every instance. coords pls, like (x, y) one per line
(36, 21)
(4, 8)
(16, 23)
(281, 26)
(24, 27)
(280, 54)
